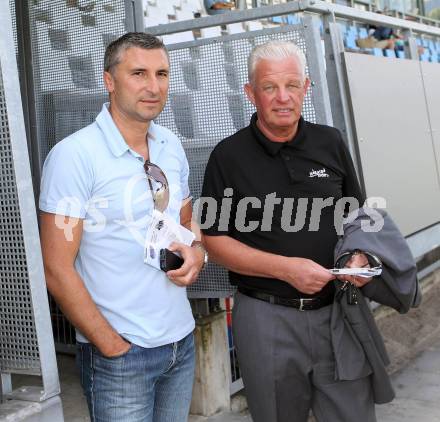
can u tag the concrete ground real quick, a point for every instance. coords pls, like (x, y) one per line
(417, 391)
(413, 342)
(417, 394)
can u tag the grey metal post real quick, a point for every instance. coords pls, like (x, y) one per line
(200, 307)
(6, 385)
(241, 4)
(315, 59)
(25, 196)
(29, 86)
(411, 48)
(134, 15)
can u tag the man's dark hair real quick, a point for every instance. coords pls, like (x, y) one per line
(130, 39)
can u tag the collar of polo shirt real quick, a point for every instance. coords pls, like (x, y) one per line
(114, 138)
(273, 148)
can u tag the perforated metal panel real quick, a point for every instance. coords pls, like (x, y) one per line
(207, 103)
(68, 44)
(68, 41)
(18, 340)
(26, 343)
(14, 22)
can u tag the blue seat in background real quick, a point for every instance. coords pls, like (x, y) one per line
(400, 54)
(352, 30)
(377, 52)
(277, 19)
(363, 33)
(425, 56)
(350, 41)
(321, 28)
(343, 27)
(388, 52)
(293, 19)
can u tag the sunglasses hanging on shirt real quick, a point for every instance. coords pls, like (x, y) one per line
(158, 184)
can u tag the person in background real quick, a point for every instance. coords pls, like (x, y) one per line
(216, 7)
(382, 37)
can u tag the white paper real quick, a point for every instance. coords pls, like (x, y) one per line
(162, 231)
(358, 272)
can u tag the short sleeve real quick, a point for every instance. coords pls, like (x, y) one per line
(67, 180)
(215, 185)
(184, 175)
(350, 187)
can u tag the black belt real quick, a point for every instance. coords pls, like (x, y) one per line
(303, 304)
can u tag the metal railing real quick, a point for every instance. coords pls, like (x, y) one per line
(372, 6)
(312, 6)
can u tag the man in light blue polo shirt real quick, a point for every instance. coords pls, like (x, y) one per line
(134, 323)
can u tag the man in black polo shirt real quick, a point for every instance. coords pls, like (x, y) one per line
(278, 184)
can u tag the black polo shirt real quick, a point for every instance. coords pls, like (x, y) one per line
(289, 177)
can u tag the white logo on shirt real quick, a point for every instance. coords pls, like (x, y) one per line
(318, 173)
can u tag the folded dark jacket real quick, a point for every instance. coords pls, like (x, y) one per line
(357, 343)
(397, 286)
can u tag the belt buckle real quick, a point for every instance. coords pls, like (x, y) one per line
(302, 301)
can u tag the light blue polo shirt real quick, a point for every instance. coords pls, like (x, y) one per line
(95, 176)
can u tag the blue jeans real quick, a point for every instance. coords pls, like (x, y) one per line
(143, 385)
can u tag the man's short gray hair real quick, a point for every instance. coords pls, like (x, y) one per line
(143, 40)
(275, 50)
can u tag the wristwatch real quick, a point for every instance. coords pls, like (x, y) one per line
(197, 244)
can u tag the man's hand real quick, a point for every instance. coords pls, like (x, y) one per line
(68, 289)
(357, 260)
(305, 275)
(193, 262)
(118, 348)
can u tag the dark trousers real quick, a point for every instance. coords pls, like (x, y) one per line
(286, 361)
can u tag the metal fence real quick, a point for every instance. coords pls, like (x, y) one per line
(60, 62)
(62, 45)
(26, 343)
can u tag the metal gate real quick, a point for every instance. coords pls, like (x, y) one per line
(62, 49)
(26, 343)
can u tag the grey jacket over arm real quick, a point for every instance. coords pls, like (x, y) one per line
(357, 343)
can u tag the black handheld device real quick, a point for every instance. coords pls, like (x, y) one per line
(169, 260)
